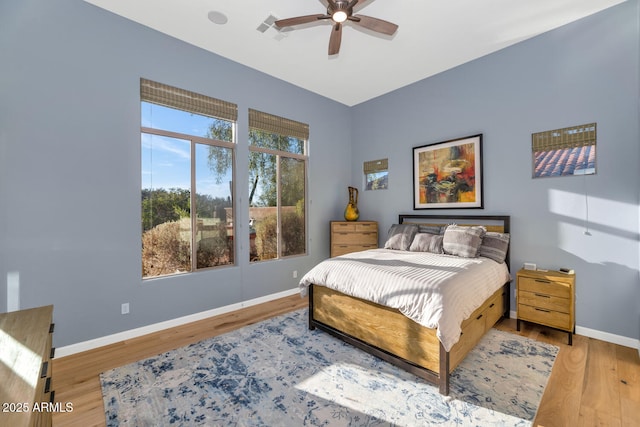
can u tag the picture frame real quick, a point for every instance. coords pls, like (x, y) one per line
(448, 174)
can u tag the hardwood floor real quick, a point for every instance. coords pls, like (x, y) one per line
(593, 383)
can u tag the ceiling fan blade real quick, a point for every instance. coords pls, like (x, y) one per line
(335, 39)
(289, 22)
(374, 24)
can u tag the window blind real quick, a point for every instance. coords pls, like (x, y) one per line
(570, 137)
(185, 100)
(374, 166)
(280, 125)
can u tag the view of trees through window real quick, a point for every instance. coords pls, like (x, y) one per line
(277, 186)
(188, 218)
(187, 198)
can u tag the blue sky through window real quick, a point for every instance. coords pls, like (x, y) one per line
(166, 161)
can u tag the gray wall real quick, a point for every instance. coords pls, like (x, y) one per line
(70, 167)
(584, 72)
(70, 161)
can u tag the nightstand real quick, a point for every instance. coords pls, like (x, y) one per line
(546, 298)
(353, 236)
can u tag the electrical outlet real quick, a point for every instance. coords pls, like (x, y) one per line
(125, 308)
(295, 274)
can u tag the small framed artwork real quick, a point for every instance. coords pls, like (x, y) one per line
(448, 174)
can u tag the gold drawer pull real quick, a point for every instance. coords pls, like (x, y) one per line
(542, 309)
(543, 281)
(542, 296)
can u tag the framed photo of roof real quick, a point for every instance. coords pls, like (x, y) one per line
(564, 152)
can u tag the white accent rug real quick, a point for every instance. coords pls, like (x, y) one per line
(279, 373)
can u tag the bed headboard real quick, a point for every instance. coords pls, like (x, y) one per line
(497, 223)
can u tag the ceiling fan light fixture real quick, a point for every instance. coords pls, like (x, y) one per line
(339, 16)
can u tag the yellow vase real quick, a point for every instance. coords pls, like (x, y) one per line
(351, 212)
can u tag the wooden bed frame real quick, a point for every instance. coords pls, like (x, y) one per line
(393, 337)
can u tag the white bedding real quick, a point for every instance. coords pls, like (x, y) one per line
(419, 284)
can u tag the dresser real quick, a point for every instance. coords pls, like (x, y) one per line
(546, 298)
(353, 236)
(25, 372)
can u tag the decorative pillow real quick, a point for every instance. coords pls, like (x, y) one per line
(427, 242)
(400, 236)
(431, 229)
(495, 245)
(463, 241)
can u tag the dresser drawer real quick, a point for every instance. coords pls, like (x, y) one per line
(337, 250)
(552, 318)
(544, 286)
(354, 227)
(549, 302)
(366, 238)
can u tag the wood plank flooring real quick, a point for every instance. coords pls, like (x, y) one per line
(593, 383)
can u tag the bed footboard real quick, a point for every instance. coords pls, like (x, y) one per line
(388, 334)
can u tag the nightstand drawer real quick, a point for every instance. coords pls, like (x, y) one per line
(546, 317)
(544, 286)
(549, 302)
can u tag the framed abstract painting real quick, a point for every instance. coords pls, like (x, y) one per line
(448, 174)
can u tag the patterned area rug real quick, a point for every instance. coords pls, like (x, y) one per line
(278, 373)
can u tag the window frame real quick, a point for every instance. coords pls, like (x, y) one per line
(278, 155)
(193, 218)
(193, 103)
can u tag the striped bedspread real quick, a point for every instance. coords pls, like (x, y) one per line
(436, 291)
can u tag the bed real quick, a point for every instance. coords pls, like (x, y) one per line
(379, 301)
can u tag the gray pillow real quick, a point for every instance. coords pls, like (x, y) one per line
(400, 236)
(495, 245)
(431, 229)
(463, 241)
(427, 242)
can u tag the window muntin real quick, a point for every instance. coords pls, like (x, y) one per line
(277, 186)
(187, 191)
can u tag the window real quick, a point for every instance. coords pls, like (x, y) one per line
(277, 186)
(187, 180)
(564, 152)
(376, 174)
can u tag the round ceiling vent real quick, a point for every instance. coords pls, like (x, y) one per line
(218, 17)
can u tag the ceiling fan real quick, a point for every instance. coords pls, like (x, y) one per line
(340, 11)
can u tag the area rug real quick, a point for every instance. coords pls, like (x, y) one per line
(279, 373)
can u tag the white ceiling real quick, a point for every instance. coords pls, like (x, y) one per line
(433, 36)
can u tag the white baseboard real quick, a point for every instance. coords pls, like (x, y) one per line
(602, 336)
(144, 330)
(138, 332)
